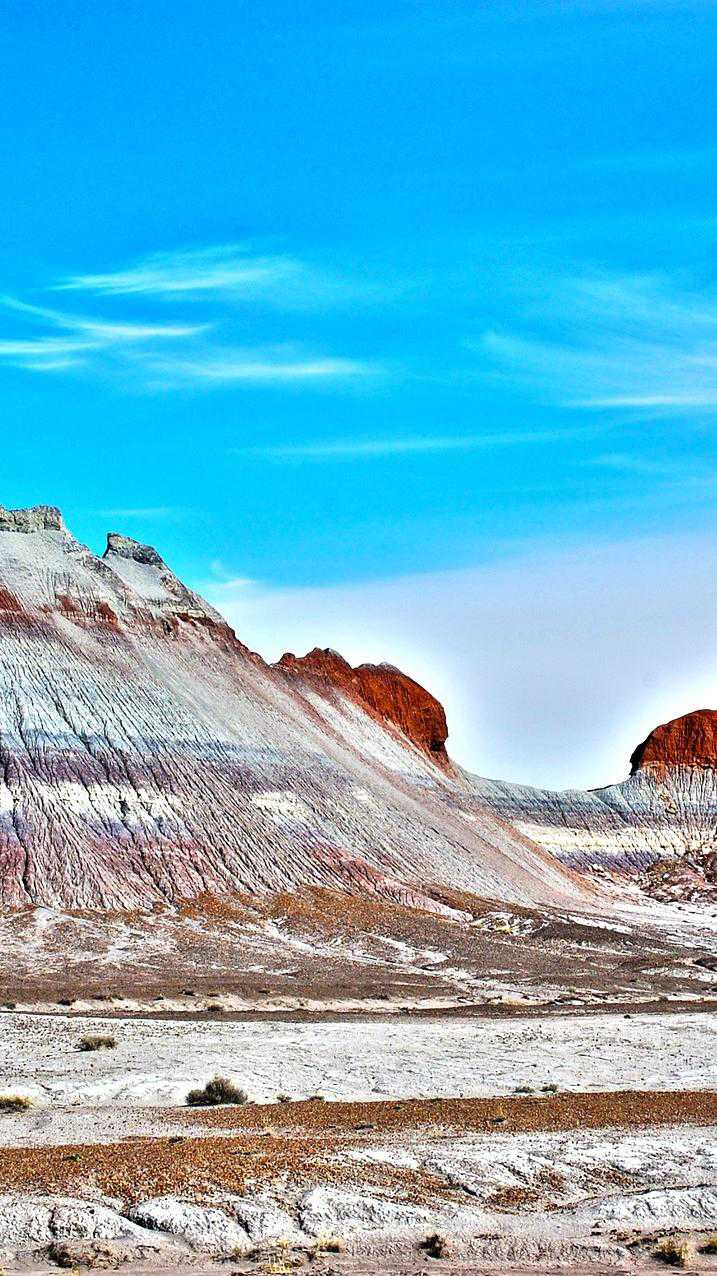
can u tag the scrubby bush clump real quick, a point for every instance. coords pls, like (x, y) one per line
(330, 1245)
(219, 1090)
(675, 1252)
(91, 1042)
(14, 1103)
(438, 1245)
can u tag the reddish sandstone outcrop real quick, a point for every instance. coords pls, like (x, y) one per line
(387, 693)
(687, 741)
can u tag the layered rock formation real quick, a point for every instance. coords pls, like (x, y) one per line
(147, 755)
(658, 828)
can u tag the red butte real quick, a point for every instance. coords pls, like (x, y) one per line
(382, 689)
(687, 741)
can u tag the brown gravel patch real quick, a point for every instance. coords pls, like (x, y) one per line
(270, 1144)
(514, 1113)
(202, 1168)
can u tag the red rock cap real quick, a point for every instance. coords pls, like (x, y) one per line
(386, 692)
(687, 741)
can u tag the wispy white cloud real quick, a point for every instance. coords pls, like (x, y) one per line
(366, 449)
(222, 365)
(50, 365)
(689, 399)
(234, 272)
(599, 341)
(101, 329)
(190, 272)
(224, 579)
(83, 336)
(235, 582)
(37, 347)
(674, 477)
(630, 463)
(150, 353)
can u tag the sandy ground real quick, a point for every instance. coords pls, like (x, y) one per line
(592, 1177)
(388, 1265)
(155, 1062)
(389, 1128)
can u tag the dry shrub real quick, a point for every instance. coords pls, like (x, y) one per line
(91, 1042)
(14, 1103)
(329, 1245)
(219, 1090)
(275, 1258)
(437, 1245)
(675, 1252)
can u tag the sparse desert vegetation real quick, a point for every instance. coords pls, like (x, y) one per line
(14, 1103)
(437, 1245)
(218, 1091)
(675, 1252)
(94, 1041)
(330, 1245)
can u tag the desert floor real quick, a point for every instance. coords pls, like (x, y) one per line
(583, 1140)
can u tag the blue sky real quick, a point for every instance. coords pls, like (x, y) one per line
(317, 297)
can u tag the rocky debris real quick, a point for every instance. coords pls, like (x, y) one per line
(27, 1221)
(382, 689)
(264, 1221)
(207, 1229)
(327, 1211)
(687, 741)
(691, 878)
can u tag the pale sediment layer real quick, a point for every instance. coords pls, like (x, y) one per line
(155, 1062)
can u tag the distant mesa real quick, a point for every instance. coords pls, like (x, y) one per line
(687, 741)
